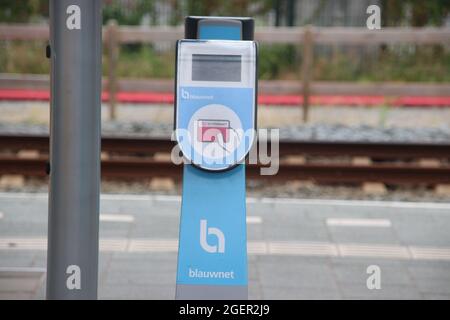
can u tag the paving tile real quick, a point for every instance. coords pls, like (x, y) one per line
(18, 285)
(386, 292)
(254, 290)
(135, 277)
(40, 291)
(356, 275)
(437, 271)
(295, 232)
(367, 261)
(366, 235)
(13, 258)
(15, 295)
(427, 233)
(300, 293)
(145, 257)
(296, 275)
(437, 286)
(436, 296)
(152, 275)
(253, 272)
(139, 292)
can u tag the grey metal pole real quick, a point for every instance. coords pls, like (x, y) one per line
(75, 48)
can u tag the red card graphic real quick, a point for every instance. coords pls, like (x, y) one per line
(209, 130)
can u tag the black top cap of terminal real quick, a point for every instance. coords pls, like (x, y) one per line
(191, 25)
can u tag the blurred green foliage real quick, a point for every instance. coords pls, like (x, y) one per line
(278, 61)
(130, 14)
(394, 12)
(133, 12)
(416, 13)
(145, 62)
(22, 11)
(395, 63)
(23, 57)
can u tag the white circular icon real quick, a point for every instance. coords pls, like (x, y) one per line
(215, 131)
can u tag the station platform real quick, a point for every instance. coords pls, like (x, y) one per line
(298, 249)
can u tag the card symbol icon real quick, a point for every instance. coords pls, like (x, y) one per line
(208, 130)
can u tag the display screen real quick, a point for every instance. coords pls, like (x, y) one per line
(213, 67)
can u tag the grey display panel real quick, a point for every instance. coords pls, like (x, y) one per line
(213, 67)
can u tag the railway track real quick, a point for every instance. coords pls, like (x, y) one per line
(133, 158)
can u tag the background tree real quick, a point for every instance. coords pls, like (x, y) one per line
(14, 11)
(415, 13)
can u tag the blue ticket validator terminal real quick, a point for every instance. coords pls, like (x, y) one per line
(215, 106)
(215, 122)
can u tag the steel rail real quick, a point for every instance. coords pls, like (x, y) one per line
(144, 145)
(322, 173)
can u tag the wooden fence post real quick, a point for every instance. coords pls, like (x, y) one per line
(307, 61)
(113, 55)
